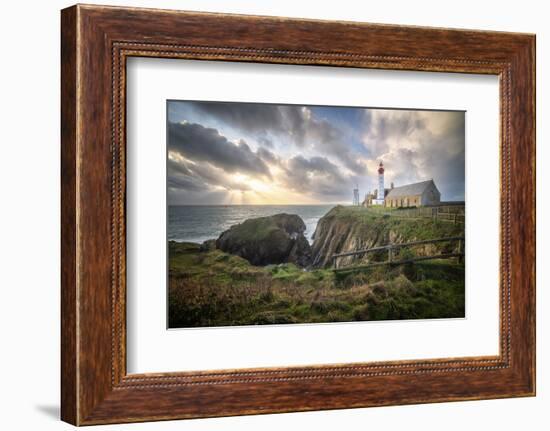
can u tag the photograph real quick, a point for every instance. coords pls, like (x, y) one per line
(302, 214)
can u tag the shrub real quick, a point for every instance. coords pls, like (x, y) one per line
(213, 288)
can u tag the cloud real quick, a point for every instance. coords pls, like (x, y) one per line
(257, 118)
(297, 124)
(183, 175)
(419, 145)
(317, 176)
(185, 183)
(328, 139)
(268, 156)
(318, 154)
(265, 142)
(388, 129)
(196, 142)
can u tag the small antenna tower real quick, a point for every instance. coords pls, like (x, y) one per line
(356, 196)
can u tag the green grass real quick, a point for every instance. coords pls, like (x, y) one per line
(256, 229)
(213, 288)
(418, 228)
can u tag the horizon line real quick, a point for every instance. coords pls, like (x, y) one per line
(241, 205)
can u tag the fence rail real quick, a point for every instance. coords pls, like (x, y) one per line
(390, 249)
(450, 213)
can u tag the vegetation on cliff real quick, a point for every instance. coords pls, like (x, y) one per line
(345, 229)
(267, 240)
(209, 287)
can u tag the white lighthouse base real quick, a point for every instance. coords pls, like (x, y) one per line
(378, 201)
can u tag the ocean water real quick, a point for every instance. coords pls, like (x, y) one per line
(198, 223)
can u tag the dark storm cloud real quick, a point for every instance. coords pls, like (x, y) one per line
(185, 183)
(195, 142)
(316, 164)
(267, 156)
(216, 177)
(296, 123)
(329, 139)
(179, 177)
(316, 175)
(316, 154)
(178, 168)
(256, 118)
(200, 177)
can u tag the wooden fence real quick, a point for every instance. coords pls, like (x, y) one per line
(451, 213)
(390, 249)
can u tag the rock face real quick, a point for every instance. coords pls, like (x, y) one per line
(336, 233)
(345, 229)
(208, 245)
(268, 240)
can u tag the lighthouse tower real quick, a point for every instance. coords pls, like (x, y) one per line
(380, 198)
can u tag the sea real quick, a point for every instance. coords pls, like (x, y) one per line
(198, 223)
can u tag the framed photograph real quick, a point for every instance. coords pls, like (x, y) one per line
(278, 232)
(265, 215)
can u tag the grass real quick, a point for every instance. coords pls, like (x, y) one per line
(213, 288)
(255, 229)
(370, 218)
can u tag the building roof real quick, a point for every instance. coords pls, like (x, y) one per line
(410, 189)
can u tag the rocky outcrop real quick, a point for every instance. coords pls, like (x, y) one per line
(268, 240)
(208, 245)
(346, 229)
(337, 233)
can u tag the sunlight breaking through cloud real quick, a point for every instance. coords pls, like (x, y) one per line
(221, 153)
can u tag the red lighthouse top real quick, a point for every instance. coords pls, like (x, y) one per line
(381, 168)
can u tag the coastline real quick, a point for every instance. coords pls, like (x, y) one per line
(199, 223)
(217, 284)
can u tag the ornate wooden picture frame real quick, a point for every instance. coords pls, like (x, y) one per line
(96, 41)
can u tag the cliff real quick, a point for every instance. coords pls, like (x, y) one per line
(268, 240)
(345, 229)
(254, 273)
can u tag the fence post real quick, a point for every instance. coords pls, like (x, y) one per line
(390, 253)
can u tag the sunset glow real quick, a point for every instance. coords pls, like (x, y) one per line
(244, 153)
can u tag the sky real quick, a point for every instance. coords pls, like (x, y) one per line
(222, 153)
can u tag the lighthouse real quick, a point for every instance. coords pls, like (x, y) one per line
(380, 197)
